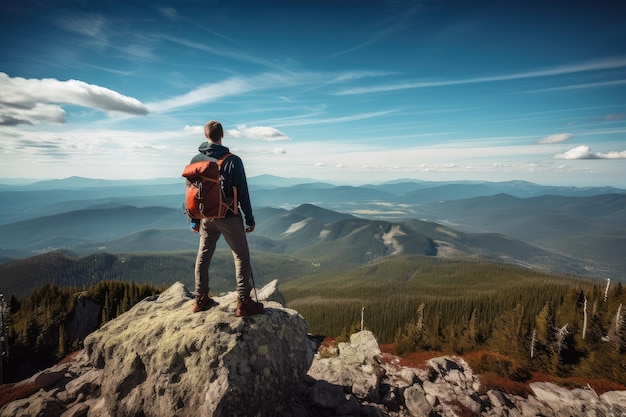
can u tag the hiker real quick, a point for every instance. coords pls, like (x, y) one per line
(231, 227)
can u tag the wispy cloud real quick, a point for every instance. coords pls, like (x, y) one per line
(230, 87)
(330, 120)
(556, 138)
(400, 19)
(264, 133)
(169, 12)
(31, 101)
(224, 51)
(203, 94)
(579, 86)
(584, 152)
(601, 64)
(91, 25)
(235, 86)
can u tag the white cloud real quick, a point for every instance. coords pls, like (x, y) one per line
(30, 101)
(39, 112)
(612, 155)
(584, 152)
(556, 138)
(264, 133)
(194, 130)
(88, 25)
(579, 152)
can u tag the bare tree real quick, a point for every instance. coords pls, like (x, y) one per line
(561, 333)
(585, 319)
(362, 318)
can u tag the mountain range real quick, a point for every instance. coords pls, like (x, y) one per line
(564, 230)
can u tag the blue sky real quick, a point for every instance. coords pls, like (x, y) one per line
(349, 92)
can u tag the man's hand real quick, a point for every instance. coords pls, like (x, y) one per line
(250, 229)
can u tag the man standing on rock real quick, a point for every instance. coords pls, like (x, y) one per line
(233, 174)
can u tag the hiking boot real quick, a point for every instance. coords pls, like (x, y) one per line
(248, 307)
(203, 302)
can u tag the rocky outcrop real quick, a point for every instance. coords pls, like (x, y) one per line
(355, 379)
(161, 360)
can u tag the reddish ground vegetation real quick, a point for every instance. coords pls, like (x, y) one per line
(600, 386)
(328, 342)
(496, 371)
(419, 359)
(414, 360)
(12, 392)
(489, 381)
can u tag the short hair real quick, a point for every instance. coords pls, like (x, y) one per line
(213, 130)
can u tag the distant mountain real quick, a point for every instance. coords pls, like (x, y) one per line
(589, 229)
(388, 200)
(585, 227)
(272, 181)
(288, 244)
(75, 229)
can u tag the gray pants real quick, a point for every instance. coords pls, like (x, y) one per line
(235, 236)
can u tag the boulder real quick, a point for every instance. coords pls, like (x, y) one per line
(580, 402)
(160, 359)
(355, 366)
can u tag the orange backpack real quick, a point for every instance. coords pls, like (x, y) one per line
(204, 196)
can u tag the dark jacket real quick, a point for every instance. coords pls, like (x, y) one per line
(234, 175)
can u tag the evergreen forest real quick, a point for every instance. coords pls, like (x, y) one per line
(37, 331)
(512, 321)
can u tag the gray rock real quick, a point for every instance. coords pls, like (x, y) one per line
(355, 367)
(615, 402)
(362, 349)
(499, 399)
(270, 293)
(161, 359)
(416, 402)
(87, 383)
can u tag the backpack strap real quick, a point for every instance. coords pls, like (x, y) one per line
(235, 202)
(222, 159)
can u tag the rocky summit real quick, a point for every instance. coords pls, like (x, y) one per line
(161, 360)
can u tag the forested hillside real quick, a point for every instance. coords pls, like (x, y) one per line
(539, 322)
(41, 331)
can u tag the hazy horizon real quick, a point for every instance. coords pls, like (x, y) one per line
(27, 181)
